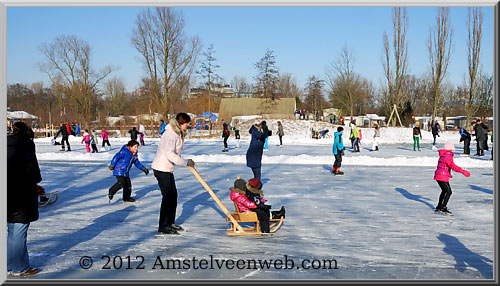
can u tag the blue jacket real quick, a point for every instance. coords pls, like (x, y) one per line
(123, 161)
(338, 144)
(77, 129)
(162, 128)
(464, 134)
(255, 150)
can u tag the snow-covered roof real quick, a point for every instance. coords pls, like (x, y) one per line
(20, 115)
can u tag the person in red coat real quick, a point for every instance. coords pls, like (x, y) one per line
(442, 175)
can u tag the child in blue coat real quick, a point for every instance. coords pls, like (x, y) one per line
(338, 150)
(120, 165)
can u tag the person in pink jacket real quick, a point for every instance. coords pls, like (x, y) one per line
(443, 174)
(105, 139)
(167, 157)
(86, 139)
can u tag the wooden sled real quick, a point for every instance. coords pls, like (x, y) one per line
(237, 217)
(251, 218)
(51, 198)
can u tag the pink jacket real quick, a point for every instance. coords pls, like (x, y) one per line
(243, 203)
(169, 149)
(445, 163)
(104, 135)
(86, 137)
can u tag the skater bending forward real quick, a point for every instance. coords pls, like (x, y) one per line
(249, 198)
(120, 165)
(443, 174)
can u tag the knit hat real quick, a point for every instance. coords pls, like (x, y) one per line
(340, 129)
(254, 185)
(239, 185)
(417, 124)
(449, 146)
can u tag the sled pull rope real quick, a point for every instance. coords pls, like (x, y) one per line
(217, 200)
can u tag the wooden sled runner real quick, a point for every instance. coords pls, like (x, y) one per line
(48, 199)
(238, 217)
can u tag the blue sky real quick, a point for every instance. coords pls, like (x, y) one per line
(305, 39)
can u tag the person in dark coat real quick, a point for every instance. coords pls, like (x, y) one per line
(64, 131)
(23, 174)
(465, 136)
(133, 133)
(435, 132)
(225, 134)
(120, 165)
(481, 133)
(259, 133)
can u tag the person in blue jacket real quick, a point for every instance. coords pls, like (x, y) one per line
(259, 133)
(77, 130)
(338, 150)
(120, 165)
(163, 125)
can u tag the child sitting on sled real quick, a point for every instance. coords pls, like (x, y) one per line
(249, 197)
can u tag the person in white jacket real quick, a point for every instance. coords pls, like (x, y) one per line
(167, 157)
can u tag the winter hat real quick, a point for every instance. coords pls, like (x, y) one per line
(340, 129)
(239, 185)
(254, 185)
(417, 124)
(449, 146)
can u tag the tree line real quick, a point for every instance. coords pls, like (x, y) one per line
(174, 63)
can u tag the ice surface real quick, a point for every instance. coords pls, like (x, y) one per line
(377, 221)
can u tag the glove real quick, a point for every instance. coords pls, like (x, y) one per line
(190, 163)
(466, 173)
(111, 167)
(145, 170)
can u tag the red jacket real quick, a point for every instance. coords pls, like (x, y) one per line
(242, 201)
(445, 163)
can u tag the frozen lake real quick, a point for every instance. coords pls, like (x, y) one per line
(376, 221)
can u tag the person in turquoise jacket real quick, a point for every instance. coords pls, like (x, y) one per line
(338, 150)
(120, 165)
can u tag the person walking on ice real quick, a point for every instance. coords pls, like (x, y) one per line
(442, 175)
(168, 155)
(417, 135)
(376, 136)
(120, 165)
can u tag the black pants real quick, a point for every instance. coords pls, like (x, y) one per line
(467, 146)
(281, 140)
(94, 148)
(225, 142)
(105, 142)
(434, 135)
(123, 182)
(445, 194)
(338, 160)
(263, 216)
(168, 207)
(65, 139)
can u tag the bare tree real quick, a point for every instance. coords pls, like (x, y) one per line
(439, 46)
(287, 86)
(314, 99)
(267, 77)
(485, 96)
(240, 85)
(474, 34)
(341, 79)
(167, 53)
(69, 58)
(208, 72)
(395, 73)
(114, 91)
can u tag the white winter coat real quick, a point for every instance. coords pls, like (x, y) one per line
(169, 149)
